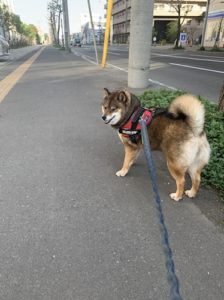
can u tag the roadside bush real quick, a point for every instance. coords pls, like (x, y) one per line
(163, 42)
(58, 46)
(202, 48)
(213, 174)
(216, 49)
(213, 49)
(178, 48)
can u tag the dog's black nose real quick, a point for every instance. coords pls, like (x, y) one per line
(104, 118)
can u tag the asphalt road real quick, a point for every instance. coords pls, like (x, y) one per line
(71, 229)
(200, 73)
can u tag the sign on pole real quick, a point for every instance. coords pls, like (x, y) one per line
(183, 38)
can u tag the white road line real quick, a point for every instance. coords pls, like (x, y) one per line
(197, 68)
(125, 70)
(113, 53)
(213, 56)
(120, 50)
(116, 67)
(76, 53)
(85, 57)
(150, 80)
(162, 84)
(190, 58)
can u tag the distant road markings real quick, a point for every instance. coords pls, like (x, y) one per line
(190, 58)
(118, 68)
(10, 81)
(114, 53)
(123, 70)
(85, 57)
(209, 56)
(150, 80)
(164, 85)
(157, 65)
(197, 68)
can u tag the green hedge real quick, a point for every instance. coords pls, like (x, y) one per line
(213, 174)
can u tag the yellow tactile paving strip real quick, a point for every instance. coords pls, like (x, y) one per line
(9, 81)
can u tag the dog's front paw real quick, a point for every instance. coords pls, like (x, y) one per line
(190, 193)
(121, 173)
(175, 197)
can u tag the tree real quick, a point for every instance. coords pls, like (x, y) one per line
(182, 9)
(193, 30)
(17, 23)
(32, 33)
(171, 31)
(218, 33)
(26, 34)
(4, 18)
(55, 10)
(221, 99)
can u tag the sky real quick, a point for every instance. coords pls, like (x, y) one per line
(35, 12)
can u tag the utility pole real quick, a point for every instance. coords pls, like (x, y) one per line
(140, 43)
(66, 25)
(93, 29)
(205, 23)
(62, 34)
(111, 31)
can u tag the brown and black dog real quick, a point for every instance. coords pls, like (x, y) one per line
(178, 132)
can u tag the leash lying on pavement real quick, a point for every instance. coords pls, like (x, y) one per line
(171, 276)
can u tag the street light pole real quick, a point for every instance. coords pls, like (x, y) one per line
(66, 25)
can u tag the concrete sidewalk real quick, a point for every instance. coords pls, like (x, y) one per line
(16, 54)
(71, 229)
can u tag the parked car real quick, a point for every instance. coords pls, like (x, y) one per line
(4, 48)
(77, 42)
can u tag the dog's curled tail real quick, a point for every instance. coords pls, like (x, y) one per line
(193, 109)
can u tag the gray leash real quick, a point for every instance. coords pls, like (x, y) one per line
(171, 275)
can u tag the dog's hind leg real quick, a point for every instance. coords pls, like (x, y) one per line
(194, 170)
(179, 176)
(130, 156)
(195, 174)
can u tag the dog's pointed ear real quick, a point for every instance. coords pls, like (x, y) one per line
(106, 92)
(124, 96)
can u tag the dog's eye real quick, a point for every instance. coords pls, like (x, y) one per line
(113, 108)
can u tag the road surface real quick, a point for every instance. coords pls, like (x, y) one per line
(199, 73)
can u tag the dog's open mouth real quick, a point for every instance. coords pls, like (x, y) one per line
(107, 122)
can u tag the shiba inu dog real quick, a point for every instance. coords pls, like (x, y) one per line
(177, 131)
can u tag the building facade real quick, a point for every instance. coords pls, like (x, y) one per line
(87, 31)
(9, 4)
(164, 12)
(214, 34)
(121, 20)
(10, 7)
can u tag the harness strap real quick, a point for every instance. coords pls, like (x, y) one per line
(131, 129)
(136, 117)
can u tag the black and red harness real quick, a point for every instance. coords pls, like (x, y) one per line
(132, 129)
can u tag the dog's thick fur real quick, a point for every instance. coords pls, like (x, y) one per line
(178, 132)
